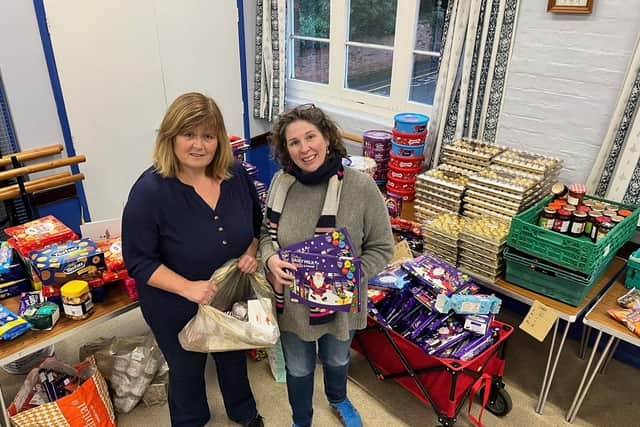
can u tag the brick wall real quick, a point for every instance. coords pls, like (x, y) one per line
(565, 75)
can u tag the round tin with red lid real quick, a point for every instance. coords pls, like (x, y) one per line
(409, 138)
(405, 162)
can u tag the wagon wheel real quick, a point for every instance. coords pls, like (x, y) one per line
(499, 403)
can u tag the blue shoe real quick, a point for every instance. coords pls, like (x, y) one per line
(347, 413)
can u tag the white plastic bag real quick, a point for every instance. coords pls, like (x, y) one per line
(213, 330)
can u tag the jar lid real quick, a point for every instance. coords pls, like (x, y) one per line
(607, 225)
(589, 202)
(617, 218)
(578, 188)
(580, 214)
(595, 214)
(569, 208)
(602, 219)
(624, 212)
(550, 210)
(583, 208)
(558, 188)
(564, 212)
(74, 288)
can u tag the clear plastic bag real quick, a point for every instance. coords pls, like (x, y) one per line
(129, 364)
(212, 329)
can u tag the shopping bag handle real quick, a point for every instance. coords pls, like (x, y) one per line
(483, 380)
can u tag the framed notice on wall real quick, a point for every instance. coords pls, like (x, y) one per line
(570, 6)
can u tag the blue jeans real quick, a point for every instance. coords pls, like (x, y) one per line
(300, 362)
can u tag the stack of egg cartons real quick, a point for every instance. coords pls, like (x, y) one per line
(499, 193)
(376, 145)
(439, 191)
(547, 169)
(481, 242)
(407, 148)
(471, 155)
(440, 236)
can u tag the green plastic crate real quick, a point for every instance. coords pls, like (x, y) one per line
(576, 253)
(550, 280)
(632, 279)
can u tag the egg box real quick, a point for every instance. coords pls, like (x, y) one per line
(60, 263)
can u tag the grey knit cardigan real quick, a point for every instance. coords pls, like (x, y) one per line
(363, 213)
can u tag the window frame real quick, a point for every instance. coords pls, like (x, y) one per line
(334, 93)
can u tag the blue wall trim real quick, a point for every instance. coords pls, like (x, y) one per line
(47, 47)
(243, 71)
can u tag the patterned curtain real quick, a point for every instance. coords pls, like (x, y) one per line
(477, 41)
(616, 172)
(268, 96)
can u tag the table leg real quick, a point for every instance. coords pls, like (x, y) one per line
(616, 342)
(582, 391)
(546, 371)
(584, 341)
(546, 382)
(5, 416)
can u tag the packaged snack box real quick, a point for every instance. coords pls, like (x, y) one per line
(37, 234)
(60, 263)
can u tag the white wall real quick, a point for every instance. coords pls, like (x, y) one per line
(565, 75)
(121, 63)
(25, 77)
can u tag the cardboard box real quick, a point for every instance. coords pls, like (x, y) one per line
(60, 263)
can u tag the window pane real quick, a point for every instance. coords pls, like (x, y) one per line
(372, 21)
(430, 23)
(369, 70)
(424, 79)
(311, 61)
(311, 18)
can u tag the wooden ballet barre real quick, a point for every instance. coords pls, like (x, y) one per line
(42, 184)
(12, 173)
(34, 153)
(351, 137)
(12, 188)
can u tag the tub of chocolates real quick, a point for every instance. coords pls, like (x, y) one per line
(405, 162)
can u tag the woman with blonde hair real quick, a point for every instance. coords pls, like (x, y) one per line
(186, 215)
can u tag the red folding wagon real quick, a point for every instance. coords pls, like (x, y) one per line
(443, 383)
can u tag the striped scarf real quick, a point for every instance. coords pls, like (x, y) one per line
(326, 223)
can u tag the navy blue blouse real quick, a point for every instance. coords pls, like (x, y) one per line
(167, 222)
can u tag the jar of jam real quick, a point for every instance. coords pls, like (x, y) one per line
(569, 208)
(610, 213)
(624, 213)
(608, 207)
(591, 220)
(603, 229)
(599, 206)
(616, 219)
(559, 190)
(576, 194)
(583, 208)
(578, 222)
(76, 299)
(547, 218)
(563, 221)
(596, 225)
